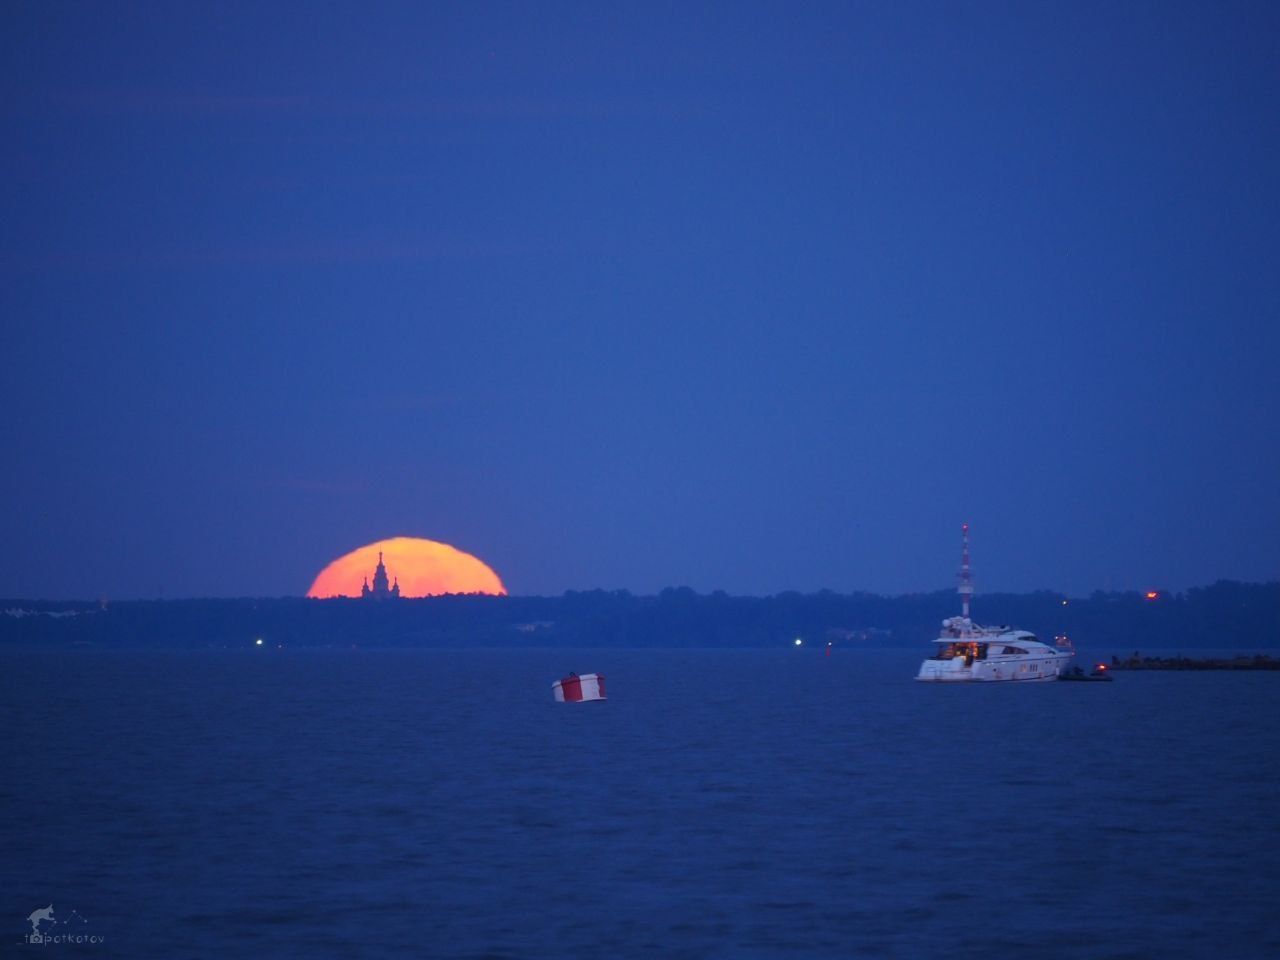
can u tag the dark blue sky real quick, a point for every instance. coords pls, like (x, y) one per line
(752, 297)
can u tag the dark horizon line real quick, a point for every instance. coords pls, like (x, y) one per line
(1142, 591)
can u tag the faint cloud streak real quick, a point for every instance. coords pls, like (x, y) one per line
(154, 101)
(282, 255)
(316, 485)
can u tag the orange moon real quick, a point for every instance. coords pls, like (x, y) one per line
(425, 568)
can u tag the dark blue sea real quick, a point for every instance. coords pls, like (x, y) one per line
(737, 804)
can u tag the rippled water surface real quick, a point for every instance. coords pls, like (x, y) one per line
(740, 804)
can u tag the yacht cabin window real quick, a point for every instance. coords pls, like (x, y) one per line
(972, 651)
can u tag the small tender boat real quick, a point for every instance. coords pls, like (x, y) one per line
(1099, 672)
(968, 652)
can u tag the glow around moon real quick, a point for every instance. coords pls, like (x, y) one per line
(424, 568)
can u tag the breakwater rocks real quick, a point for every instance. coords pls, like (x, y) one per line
(1259, 661)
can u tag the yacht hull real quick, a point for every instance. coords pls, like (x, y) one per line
(1021, 670)
(970, 679)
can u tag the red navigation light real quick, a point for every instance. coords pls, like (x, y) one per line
(1153, 594)
(1102, 668)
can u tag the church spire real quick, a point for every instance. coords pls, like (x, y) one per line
(381, 588)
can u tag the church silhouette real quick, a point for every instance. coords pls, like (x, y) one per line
(380, 589)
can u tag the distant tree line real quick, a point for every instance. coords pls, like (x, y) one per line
(1239, 616)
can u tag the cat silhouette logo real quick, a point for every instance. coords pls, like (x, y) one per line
(38, 917)
(70, 929)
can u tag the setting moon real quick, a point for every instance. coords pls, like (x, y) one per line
(423, 568)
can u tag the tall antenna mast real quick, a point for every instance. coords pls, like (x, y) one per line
(966, 577)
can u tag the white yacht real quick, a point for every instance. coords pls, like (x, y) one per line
(967, 651)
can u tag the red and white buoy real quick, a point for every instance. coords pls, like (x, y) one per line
(574, 688)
